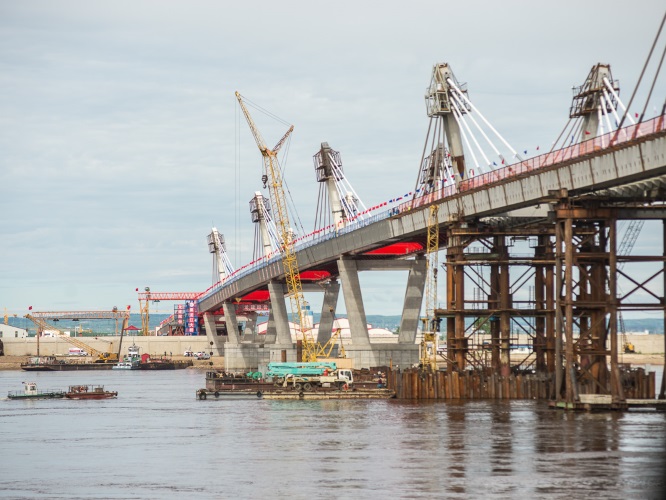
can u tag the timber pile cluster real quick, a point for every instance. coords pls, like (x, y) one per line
(416, 384)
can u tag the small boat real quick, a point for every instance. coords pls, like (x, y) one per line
(131, 360)
(127, 365)
(89, 392)
(30, 391)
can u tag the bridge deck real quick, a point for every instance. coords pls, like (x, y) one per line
(637, 153)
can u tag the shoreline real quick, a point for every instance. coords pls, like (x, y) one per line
(8, 363)
(14, 362)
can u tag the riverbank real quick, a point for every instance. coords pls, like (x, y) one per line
(216, 363)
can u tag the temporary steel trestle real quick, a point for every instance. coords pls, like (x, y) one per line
(564, 296)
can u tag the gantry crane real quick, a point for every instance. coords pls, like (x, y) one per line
(100, 357)
(272, 176)
(146, 296)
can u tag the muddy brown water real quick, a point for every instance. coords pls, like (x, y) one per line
(156, 440)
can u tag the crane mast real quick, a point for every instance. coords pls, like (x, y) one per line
(429, 343)
(273, 177)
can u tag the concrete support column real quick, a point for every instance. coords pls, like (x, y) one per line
(271, 334)
(251, 323)
(279, 310)
(216, 342)
(413, 300)
(232, 323)
(331, 294)
(351, 291)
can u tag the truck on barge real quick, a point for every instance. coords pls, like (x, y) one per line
(314, 380)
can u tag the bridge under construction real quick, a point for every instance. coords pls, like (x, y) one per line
(532, 247)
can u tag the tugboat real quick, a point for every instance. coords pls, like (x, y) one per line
(30, 392)
(131, 360)
(89, 392)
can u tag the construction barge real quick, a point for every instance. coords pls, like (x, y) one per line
(252, 385)
(273, 392)
(53, 364)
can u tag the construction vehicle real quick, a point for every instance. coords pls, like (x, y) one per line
(98, 356)
(308, 375)
(627, 346)
(625, 247)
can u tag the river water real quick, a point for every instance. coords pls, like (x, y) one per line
(157, 441)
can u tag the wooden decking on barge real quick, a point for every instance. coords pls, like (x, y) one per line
(272, 392)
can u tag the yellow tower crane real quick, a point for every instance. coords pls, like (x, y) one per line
(273, 176)
(429, 342)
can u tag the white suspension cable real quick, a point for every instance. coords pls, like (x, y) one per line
(483, 133)
(227, 263)
(600, 126)
(272, 230)
(339, 174)
(458, 106)
(614, 111)
(467, 101)
(337, 171)
(350, 209)
(449, 179)
(605, 105)
(617, 98)
(458, 116)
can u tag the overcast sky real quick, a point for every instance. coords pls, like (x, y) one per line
(121, 142)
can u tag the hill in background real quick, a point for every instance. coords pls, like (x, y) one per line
(391, 323)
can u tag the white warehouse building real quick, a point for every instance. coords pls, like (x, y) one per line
(12, 332)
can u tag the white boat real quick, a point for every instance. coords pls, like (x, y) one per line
(127, 365)
(131, 360)
(31, 392)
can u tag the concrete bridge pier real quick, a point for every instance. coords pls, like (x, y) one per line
(271, 334)
(231, 322)
(361, 351)
(411, 309)
(280, 317)
(331, 293)
(250, 323)
(351, 292)
(215, 341)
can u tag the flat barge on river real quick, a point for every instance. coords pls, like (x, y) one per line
(53, 364)
(229, 386)
(288, 394)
